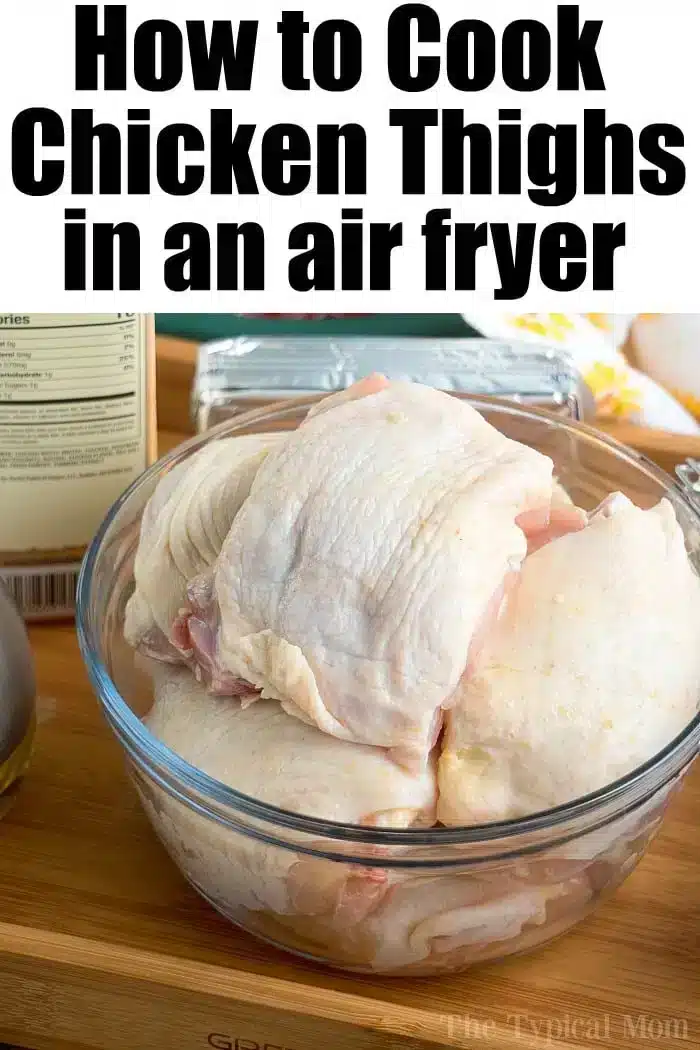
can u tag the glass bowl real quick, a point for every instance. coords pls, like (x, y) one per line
(412, 902)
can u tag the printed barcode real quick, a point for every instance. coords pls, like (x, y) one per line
(43, 592)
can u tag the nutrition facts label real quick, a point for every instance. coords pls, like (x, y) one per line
(72, 376)
(73, 413)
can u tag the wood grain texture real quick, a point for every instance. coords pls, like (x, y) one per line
(175, 366)
(104, 946)
(663, 448)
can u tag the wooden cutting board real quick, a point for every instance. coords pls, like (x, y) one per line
(104, 946)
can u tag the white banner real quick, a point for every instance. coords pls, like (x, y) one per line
(474, 171)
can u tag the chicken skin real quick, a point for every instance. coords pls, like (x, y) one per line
(356, 580)
(264, 754)
(183, 529)
(592, 670)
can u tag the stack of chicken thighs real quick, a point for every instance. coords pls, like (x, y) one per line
(394, 617)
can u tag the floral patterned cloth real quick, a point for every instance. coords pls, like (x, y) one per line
(640, 368)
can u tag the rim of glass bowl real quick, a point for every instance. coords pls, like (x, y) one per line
(154, 757)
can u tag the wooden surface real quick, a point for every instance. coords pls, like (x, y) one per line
(175, 366)
(103, 945)
(668, 450)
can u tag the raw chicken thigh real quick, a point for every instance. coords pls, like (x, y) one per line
(373, 549)
(183, 529)
(263, 753)
(269, 756)
(592, 670)
(374, 918)
(433, 924)
(368, 916)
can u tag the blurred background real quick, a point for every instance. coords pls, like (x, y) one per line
(641, 369)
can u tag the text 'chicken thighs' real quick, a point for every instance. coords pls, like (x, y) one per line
(183, 529)
(593, 669)
(355, 579)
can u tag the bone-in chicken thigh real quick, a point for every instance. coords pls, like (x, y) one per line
(182, 531)
(267, 755)
(593, 668)
(354, 582)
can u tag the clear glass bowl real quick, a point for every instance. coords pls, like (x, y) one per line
(413, 902)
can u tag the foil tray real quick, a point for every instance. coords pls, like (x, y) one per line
(235, 375)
